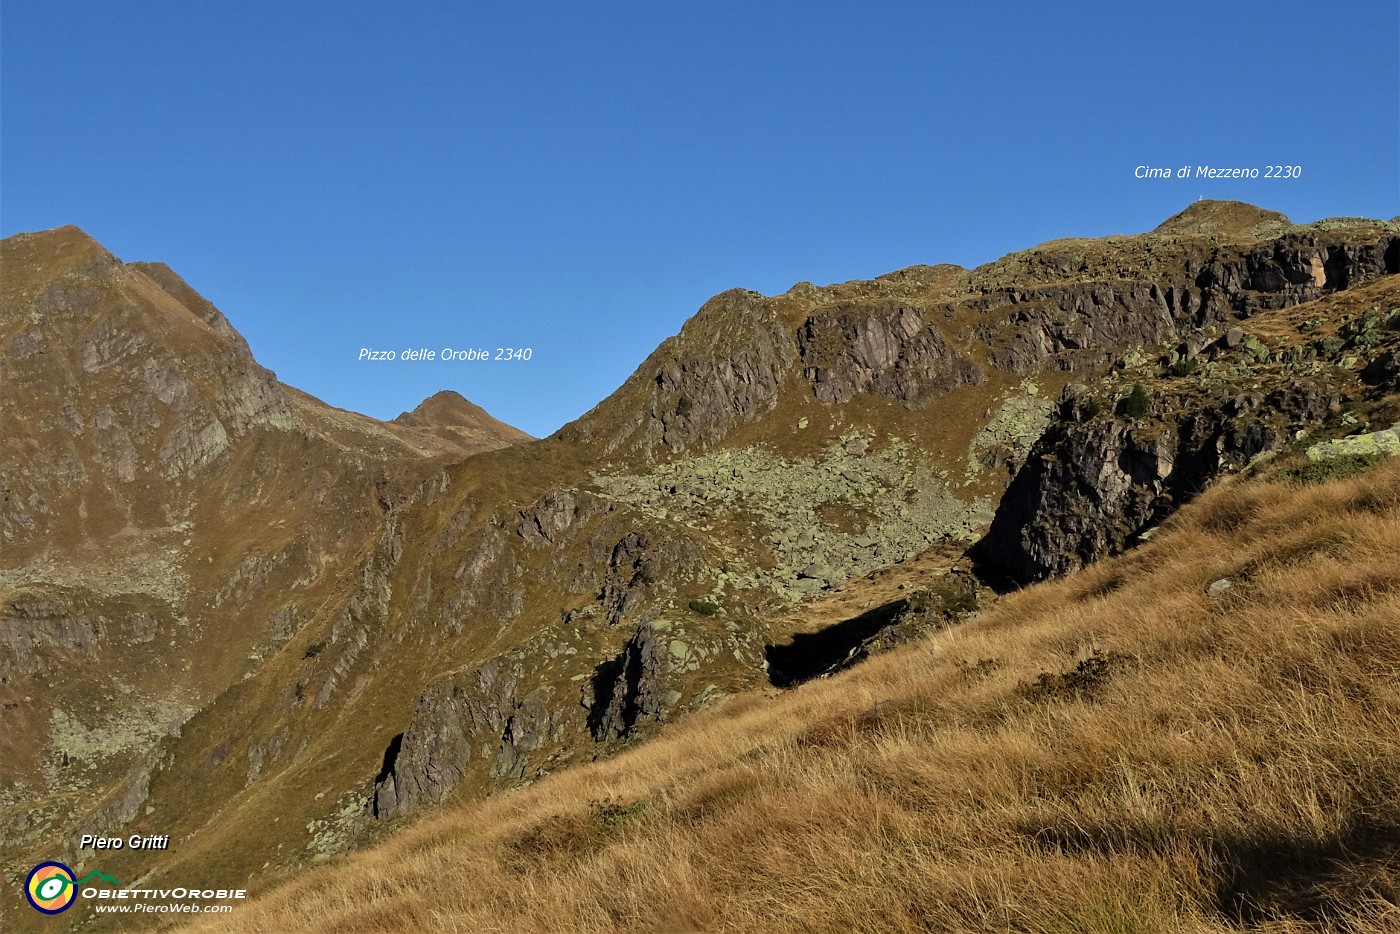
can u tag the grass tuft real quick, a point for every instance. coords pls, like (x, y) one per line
(1086, 680)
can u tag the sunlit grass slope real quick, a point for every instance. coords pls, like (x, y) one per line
(1115, 752)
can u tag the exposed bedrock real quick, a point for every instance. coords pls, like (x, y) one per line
(483, 714)
(887, 351)
(1094, 482)
(630, 687)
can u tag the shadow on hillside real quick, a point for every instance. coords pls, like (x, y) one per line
(1263, 879)
(605, 678)
(813, 654)
(1313, 881)
(386, 770)
(989, 571)
(391, 758)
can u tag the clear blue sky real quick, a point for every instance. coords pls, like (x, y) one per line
(579, 177)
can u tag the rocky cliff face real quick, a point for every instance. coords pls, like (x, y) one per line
(482, 714)
(724, 369)
(1110, 468)
(888, 351)
(629, 688)
(551, 696)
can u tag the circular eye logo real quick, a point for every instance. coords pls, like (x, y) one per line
(50, 888)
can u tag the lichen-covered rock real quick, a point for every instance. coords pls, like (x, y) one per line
(1007, 438)
(1366, 444)
(895, 502)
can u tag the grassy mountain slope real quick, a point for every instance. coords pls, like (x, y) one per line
(1117, 751)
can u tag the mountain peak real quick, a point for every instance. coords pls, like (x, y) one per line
(442, 408)
(1223, 217)
(58, 236)
(31, 259)
(449, 414)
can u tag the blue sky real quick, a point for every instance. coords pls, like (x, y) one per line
(578, 178)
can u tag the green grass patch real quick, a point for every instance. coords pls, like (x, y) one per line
(1335, 468)
(1137, 403)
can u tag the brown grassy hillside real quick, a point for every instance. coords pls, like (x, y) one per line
(1115, 752)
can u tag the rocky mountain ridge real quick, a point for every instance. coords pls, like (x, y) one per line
(918, 334)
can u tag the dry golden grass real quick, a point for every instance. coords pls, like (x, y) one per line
(1220, 763)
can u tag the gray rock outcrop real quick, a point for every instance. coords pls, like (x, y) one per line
(481, 714)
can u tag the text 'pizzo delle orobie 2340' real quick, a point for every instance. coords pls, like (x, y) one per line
(1212, 171)
(447, 354)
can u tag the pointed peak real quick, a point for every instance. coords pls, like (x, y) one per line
(444, 407)
(454, 412)
(31, 258)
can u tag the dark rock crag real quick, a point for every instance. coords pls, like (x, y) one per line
(481, 714)
(1092, 485)
(630, 687)
(1098, 479)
